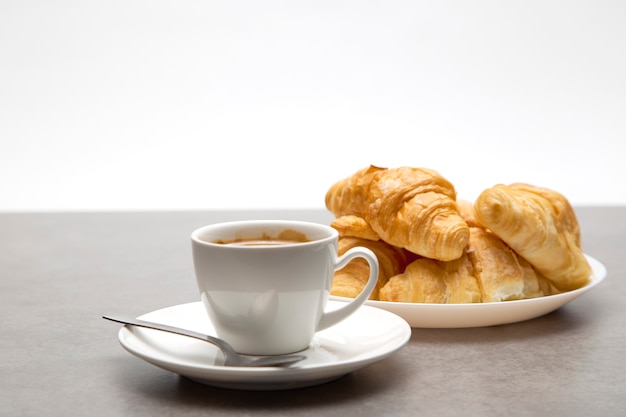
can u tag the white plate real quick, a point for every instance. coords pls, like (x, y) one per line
(422, 315)
(367, 336)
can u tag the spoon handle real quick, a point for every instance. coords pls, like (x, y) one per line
(228, 351)
(231, 357)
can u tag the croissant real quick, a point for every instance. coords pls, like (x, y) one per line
(461, 283)
(428, 281)
(497, 269)
(421, 282)
(489, 271)
(411, 208)
(350, 280)
(541, 226)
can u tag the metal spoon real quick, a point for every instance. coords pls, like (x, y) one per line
(232, 358)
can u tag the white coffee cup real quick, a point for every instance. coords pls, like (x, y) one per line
(266, 298)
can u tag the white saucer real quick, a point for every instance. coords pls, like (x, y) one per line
(424, 315)
(367, 336)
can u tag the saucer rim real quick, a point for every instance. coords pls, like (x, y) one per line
(258, 378)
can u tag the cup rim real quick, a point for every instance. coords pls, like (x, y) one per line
(326, 233)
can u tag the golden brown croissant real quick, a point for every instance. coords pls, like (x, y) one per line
(496, 267)
(461, 283)
(488, 272)
(411, 208)
(421, 282)
(541, 226)
(350, 280)
(428, 281)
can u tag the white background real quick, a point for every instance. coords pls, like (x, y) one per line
(155, 104)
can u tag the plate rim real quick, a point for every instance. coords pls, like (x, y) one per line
(599, 274)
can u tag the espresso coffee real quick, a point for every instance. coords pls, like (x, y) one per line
(285, 237)
(259, 242)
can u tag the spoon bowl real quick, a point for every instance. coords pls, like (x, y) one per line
(231, 357)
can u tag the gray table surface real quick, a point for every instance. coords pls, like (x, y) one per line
(59, 272)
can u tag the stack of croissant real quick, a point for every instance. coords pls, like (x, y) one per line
(514, 242)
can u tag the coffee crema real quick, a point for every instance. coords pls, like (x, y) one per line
(285, 237)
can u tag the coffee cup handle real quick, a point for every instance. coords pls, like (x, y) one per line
(331, 318)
